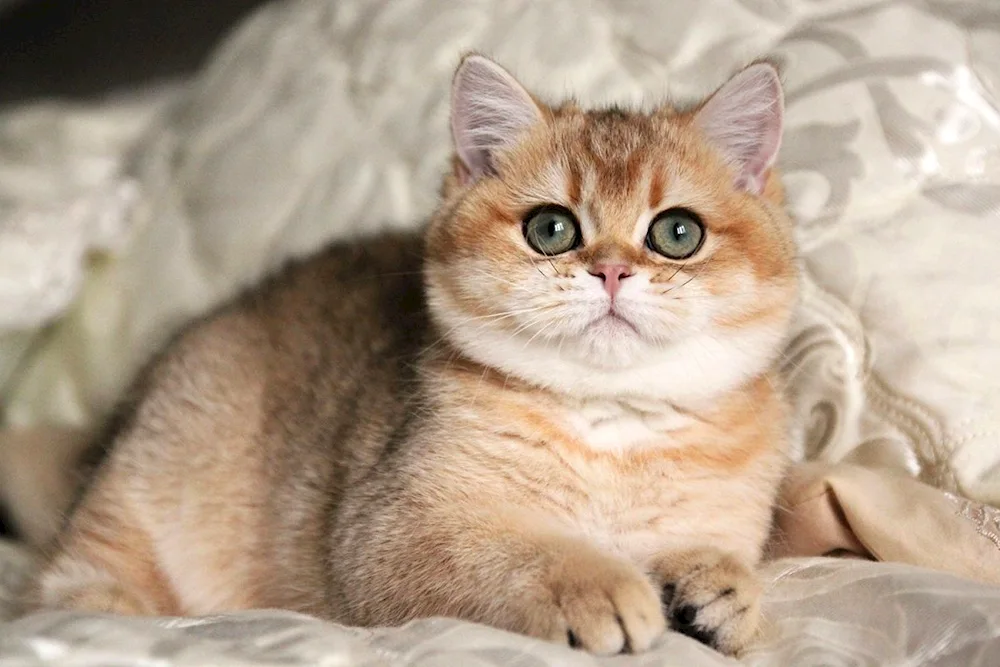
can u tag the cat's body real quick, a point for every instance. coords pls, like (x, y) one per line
(392, 429)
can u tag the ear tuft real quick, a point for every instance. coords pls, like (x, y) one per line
(743, 120)
(489, 111)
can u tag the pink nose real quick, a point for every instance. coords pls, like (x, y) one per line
(612, 275)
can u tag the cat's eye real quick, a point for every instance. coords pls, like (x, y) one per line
(551, 230)
(676, 233)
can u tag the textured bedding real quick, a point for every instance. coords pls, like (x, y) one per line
(321, 119)
(824, 612)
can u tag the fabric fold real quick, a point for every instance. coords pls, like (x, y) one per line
(880, 514)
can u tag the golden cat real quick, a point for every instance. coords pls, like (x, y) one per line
(552, 411)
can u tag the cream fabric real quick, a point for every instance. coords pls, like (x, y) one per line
(883, 515)
(322, 119)
(38, 477)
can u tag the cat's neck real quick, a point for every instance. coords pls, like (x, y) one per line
(471, 395)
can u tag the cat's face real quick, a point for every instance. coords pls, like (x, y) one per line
(610, 252)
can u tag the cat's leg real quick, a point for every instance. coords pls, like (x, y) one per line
(172, 523)
(595, 600)
(170, 527)
(513, 573)
(710, 595)
(103, 562)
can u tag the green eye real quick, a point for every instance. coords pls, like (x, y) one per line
(551, 230)
(676, 233)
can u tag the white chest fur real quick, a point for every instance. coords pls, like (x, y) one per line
(620, 425)
(666, 505)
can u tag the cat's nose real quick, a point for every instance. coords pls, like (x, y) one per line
(612, 275)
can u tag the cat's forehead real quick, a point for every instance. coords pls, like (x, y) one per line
(609, 138)
(614, 167)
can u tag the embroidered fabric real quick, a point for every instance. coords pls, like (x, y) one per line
(985, 518)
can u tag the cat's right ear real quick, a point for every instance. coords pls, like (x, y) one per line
(743, 120)
(489, 111)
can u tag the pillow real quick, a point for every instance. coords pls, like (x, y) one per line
(320, 120)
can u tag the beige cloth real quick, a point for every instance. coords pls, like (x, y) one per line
(880, 514)
(36, 477)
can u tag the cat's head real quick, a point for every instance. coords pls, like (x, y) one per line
(614, 252)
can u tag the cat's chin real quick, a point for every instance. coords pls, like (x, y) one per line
(610, 343)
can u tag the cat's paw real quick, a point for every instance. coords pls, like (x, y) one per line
(606, 606)
(713, 597)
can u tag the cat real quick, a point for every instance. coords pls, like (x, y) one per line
(552, 410)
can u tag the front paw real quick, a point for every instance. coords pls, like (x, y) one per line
(713, 597)
(606, 606)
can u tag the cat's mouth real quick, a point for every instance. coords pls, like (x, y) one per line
(614, 322)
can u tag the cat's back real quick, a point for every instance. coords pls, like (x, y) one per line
(354, 290)
(353, 305)
(323, 335)
(340, 332)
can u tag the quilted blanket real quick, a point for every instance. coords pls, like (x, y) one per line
(321, 119)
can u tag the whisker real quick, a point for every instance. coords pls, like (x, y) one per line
(694, 275)
(526, 325)
(674, 274)
(491, 276)
(494, 317)
(537, 333)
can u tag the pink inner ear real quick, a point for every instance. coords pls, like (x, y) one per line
(743, 120)
(489, 111)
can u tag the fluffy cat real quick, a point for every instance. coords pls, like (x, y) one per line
(551, 411)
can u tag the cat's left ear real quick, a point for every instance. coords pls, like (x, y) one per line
(490, 110)
(743, 120)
